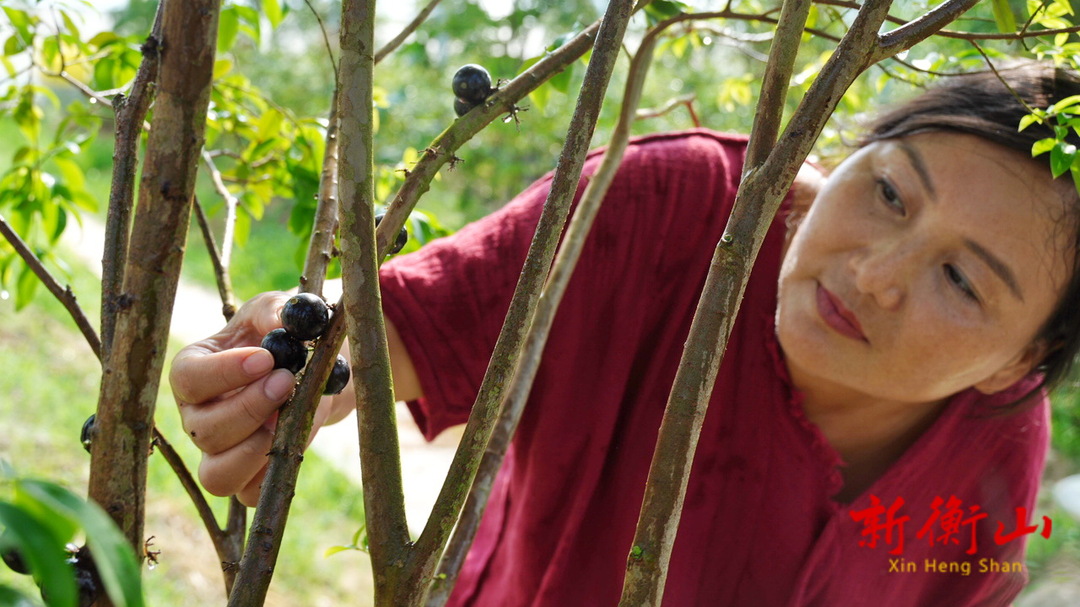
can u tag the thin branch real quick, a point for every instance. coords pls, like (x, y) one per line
(667, 108)
(913, 32)
(129, 112)
(225, 540)
(509, 346)
(221, 272)
(413, 25)
(228, 235)
(325, 225)
(1023, 34)
(513, 404)
(654, 538)
(279, 485)
(442, 148)
(785, 47)
(326, 37)
(63, 294)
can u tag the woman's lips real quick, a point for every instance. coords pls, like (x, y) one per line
(837, 315)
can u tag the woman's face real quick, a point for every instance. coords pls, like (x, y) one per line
(926, 265)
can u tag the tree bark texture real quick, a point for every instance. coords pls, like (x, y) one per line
(132, 371)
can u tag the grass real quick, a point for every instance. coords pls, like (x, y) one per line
(48, 389)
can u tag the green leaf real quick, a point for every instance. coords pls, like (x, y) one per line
(13, 598)
(1061, 158)
(113, 556)
(1004, 17)
(1027, 121)
(222, 67)
(273, 12)
(1043, 146)
(228, 27)
(44, 553)
(25, 288)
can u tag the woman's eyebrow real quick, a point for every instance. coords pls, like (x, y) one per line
(997, 266)
(916, 160)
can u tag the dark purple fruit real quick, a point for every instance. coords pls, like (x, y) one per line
(402, 237)
(289, 352)
(472, 83)
(87, 435)
(14, 560)
(462, 107)
(86, 577)
(339, 376)
(305, 316)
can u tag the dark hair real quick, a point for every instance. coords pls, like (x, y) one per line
(987, 105)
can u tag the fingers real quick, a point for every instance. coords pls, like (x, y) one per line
(199, 375)
(218, 425)
(232, 471)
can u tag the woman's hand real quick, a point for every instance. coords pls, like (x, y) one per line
(229, 394)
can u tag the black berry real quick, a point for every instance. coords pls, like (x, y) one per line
(86, 577)
(289, 352)
(462, 107)
(339, 376)
(402, 237)
(472, 83)
(87, 435)
(14, 560)
(305, 316)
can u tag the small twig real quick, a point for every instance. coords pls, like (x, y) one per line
(63, 294)
(1034, 13)
(391, 46)
(221, 271)
(223, 539)
(325, 35)
(229, 231)
(671, 105)
(325, 225)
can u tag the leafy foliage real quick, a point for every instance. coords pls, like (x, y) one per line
(41, 519)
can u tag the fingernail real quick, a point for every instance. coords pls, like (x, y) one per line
(279, 385)
(258, 362)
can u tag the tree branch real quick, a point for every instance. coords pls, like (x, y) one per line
(513, 404)
(63, 294)
(380, 464)
(321, 245)
(775, 82)
(759, 196)
(221, 273)
(910, 34)
(227, 236)
(133, 366)
(508, 347)
(413, 25)
(129, 112)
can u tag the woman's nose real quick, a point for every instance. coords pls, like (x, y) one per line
(881, 271)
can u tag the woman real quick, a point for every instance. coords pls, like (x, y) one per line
(877, 429)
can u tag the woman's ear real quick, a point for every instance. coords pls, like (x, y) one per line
(1020, 366)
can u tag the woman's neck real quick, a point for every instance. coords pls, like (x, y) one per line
(869, 434)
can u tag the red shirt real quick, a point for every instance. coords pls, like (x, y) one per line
(758, 526)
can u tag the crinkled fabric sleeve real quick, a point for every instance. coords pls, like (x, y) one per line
(448, 301)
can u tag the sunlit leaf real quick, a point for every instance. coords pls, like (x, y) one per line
(273, 12)
(228, 28)
(43, 552)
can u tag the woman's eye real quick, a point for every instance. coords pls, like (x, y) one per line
(957, 278)
(890, 196)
